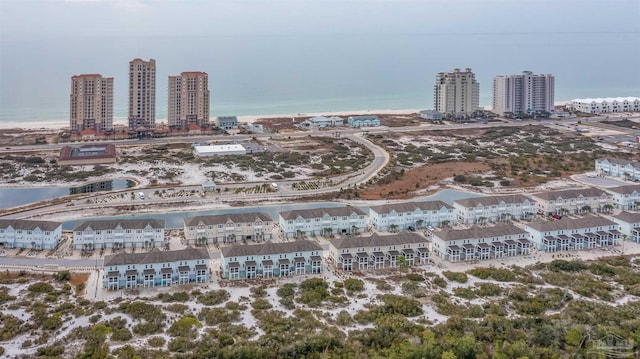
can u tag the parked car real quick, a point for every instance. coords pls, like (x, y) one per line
(556, 216)
(411, 228)
(430, 228)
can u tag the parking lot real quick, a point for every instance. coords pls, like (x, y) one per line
(600, 181)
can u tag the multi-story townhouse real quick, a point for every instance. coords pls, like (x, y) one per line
(629, 225)
(605, 105)
(228, 228)
(267, 260)
(493, 208)
(570, 233)
(573, 201)
(401, 216)
(377, 252)
(323, 221)
(119, 233)
(480, 243)
(629, 170)
(24, 233)
(227, 122)
(625, 197)
(156, 268)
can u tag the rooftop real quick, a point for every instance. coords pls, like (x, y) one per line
(376, 240)
(321, 212)
(411, 206)
(268, 248)
(570, 193)
(492, 200)
(571, 223)
(122, 223)
(479, 232)
(156, 256)
(225, 218)
(28, 224)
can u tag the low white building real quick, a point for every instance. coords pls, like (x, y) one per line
(363, 121)
(378, 252)
(322, 122)
(606, 105)
(625, 197)
(24, 233)
(267, 260)
(399, 216)
(323, 221)
(618, 168)
(573, 201)
(156, 268)
(629, 223)
(480, 243)
(431, 115)
(227, 228)
(493, 208)
(219, 150)
(119, 233)
(573, 233)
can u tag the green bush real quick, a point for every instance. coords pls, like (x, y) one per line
(214, 297)
(261, 304)
(62, 276)
(215, 316)
(121, 335)
(184, 327)
(51, 351)
(560, 265)
(40, 287)
(498, 274)
(146, 328)
(313, 291)
(354, 285)
(456, 276)
(415, 277)
(156, 342)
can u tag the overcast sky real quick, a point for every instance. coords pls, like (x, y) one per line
(21, 19)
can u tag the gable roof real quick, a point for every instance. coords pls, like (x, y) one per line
(124, 223)
(268, 247)
(570, 193)
(629, 217)
(320, 212)
(479, 232)
(29, 225)
(619, 161)
(410, 206)
(628, 189)
(571, 223)
(492, 200)
(156, 256)
(224, 218)
(376, 240)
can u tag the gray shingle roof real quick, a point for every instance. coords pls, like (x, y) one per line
(621, 162)
(29, 225)
(571, 223)
(224, 218)
(628, 189)
(124, 223)
(629, 217)
(410, 207)
(570, 193)
(479, 232)
(376, 240)
(492, 200)
(268, 248)
(320, 212)
(156, 256)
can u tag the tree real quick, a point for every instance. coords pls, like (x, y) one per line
(445, 223)
(607, 208)
(403, 263)
(419, 223)
(624, 239)
(586, 209)
(393, 228)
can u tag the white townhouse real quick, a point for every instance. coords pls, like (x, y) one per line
(570, 233)
(119, 233)
(399, 216)
(573, 201)
(268, 259)
(605, 105)
(480, 243)
(629, 225)
(156, 268)
(618, 168)
(625, 197)
(24, 233)
(226, 228)
(493, 208)
(323, 221)
(378, 252)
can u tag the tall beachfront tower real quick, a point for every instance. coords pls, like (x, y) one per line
(524, 93)
(188, 100)
(456, 93)
(91, 103)
(142, 95)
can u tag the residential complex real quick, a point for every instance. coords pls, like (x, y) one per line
(625, 197)
(629, 170)
(269, 259)
(188, 100)
(363, 121)
(573, 201)
(24, 233)
(399, 216)
(480, 243)
(156, 268)
(629, 223)
(456, 93)
(573, 233)
(142, 95)
(226, 228)
(323, 221)
(378, 252)
(91, 103)
(605, 105)
(523, 94)
(493, 208)
(119, 233)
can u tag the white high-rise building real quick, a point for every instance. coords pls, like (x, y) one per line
(456, 93)
(188, 100)
(524, 93)
(91, 103)
(142, 95)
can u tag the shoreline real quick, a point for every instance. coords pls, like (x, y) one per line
(60, 125)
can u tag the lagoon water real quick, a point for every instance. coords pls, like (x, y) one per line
(290, 74)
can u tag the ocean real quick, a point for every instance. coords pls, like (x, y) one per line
(291, 74)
